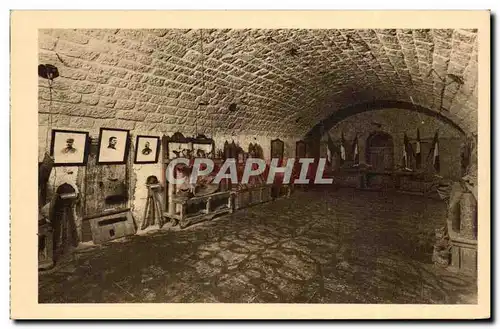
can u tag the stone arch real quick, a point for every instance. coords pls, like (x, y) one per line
(315, 133)
(380, 150)
(341, 114)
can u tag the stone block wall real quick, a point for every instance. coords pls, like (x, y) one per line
(126, 79)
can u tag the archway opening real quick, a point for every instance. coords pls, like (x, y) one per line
(380, 151)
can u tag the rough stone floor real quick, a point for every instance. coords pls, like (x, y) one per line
(324, 246)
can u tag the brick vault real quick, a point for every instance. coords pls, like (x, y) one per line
(282, 81)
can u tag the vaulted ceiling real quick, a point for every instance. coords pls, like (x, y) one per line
(286, 81)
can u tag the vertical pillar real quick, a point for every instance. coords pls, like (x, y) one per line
(208, 205)
(230, 202)
(362, 148)
(398, 149)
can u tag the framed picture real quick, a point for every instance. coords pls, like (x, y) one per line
(300, 149)
(203, 147)
(113, 146)
(179, 146)
(69, 148)
(147, 149)
(277, 148)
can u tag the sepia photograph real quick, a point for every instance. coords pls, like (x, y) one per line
(359, 181)
(69, 148)
(147, 149)
(113, 146)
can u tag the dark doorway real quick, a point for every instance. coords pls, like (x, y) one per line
(380, 151)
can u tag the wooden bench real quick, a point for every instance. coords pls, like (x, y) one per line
(211, 205)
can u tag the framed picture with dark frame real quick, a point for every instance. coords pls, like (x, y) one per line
(147, 149)
(300, 149)
(69, 148)
(277, 148)
(113, 146)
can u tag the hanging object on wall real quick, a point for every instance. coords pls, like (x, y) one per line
(418, 153)
(232, 107)
(435, 153)
(356, 152)
(203, 147)
(69, 148)
(48, 71)
(342, 150)
(179, 146)
(255, 151)
(300, 149)
(147, 149)
(330, 149)
(113, 146)
(232, 150)
(277, 148)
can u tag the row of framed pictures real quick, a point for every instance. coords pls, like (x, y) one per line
(71, 148)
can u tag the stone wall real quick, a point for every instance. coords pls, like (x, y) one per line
(396, 122)
(126, 79)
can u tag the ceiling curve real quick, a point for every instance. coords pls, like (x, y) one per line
(285, 81)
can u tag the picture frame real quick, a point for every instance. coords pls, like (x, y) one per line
(178, 146)
(147, 149)
(277, 148)
(69, 147)
(203, 147)
(113, 146)
(300, 149)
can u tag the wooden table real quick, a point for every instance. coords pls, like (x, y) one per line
(214, 204)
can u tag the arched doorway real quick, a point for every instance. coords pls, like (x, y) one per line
(380, 151)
